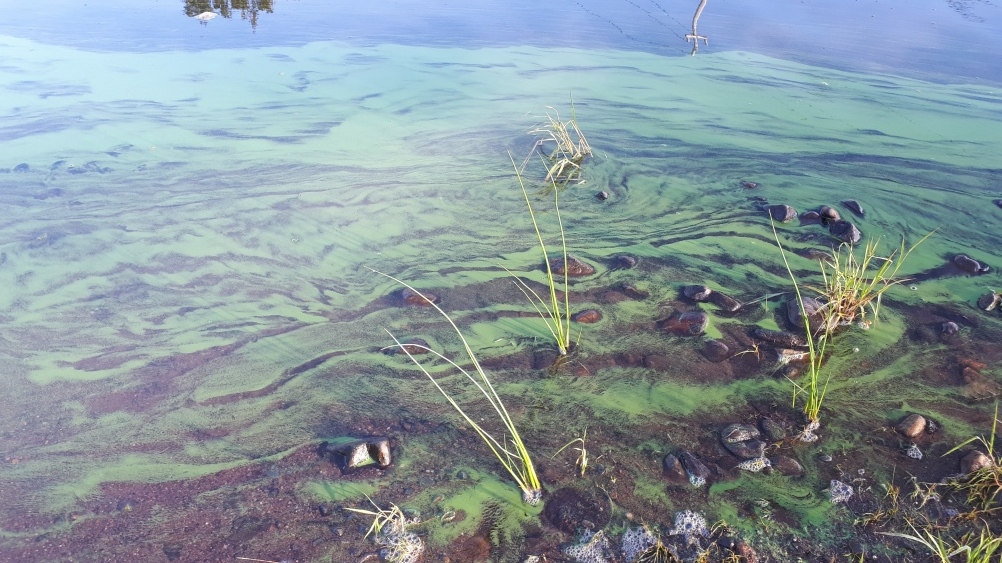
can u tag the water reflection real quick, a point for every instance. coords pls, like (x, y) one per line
(248, 9)
(695, 36)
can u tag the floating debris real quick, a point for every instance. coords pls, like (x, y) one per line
(839, 492)
(808, 435)
(636, 542)
(206, 16)
(914, 452)
(755, 465)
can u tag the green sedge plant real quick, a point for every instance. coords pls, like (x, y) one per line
(981, 548)
(555, 310)
(563, 148)
(510, 450)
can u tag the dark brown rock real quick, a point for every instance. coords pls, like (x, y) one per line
(693, 465)
(739, 433)
(673, 470)
(855, 207)
(782, 213)
(810, 218)
(829, 214)
(716, 351)
(411, 297)
(773, 431)
(989, 301)
(970, 265)
(845, 232)
(974, 461)
(686, 324)
(912, 426)
(697, 292)
(725, 302)
(787, 466)
(575, 267)
(750, 449)
(624, 262)
(814, 310)
(588, 316)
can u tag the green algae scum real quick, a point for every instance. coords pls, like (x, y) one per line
(194, 353)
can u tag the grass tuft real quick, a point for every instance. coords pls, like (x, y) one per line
(562, 147)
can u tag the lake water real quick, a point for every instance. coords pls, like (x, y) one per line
(191, 213)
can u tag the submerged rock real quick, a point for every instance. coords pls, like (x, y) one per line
(624, 262)
(411, 297)
(588, 316)
(845, 231)
(787, 466)
(673, 470)
(970, 265)
(782, 213)
(949, 328)
(716, 351)
(575, 266)
(698, 472)
(772, 430)
(739, 433)
(752, 185)
(602, 195)
(633, 292)
(810, 218)
(750, 449)
(814, 310)
(998, 202)
(686, 324)
(855, 207)
(781, 337)
(348, 453)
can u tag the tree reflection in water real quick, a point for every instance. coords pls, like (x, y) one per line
(248, 9)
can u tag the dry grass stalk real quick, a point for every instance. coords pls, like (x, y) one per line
(562, 147)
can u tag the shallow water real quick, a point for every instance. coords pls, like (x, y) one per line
(188, 311)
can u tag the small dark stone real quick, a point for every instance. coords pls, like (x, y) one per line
(855, 207)
(726, 542)
(782, 213)
(810, 218)
(588, 316)
(949, 328)
(324, 509)
(748, 185)
(673, 470)
(602, 195)
(23, 167)
(747, 450)
(172, 551)
(411, 297)
(829, 214)
(780, 337)
(845, 232)
(998, 202)
(693, 466)
(624, 262)
(739, 433)
(575, 267)
(686, 324)
(697, 292)
(773, 431)
(725, 302)
(716, 351)
(633, 292)
(970, 265)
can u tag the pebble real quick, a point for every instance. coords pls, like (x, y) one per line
(588, 316)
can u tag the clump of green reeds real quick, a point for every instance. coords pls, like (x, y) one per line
(514, 456)
(979, 548)
(815, 388)
(854, 286)
(562, 146)
(556, 310)
(983, 486)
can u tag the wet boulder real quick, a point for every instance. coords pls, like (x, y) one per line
(855, 207)
(912, 426)
(814, 309)
(751, 449)
(974, 461)
(697, 471)
(828, 214)
(673, 470)
(739, 433)
(969, 265)
(782, 213)
(686, 324)
(845, 231)
(989, 301)
(810, 218)
(781, 337)
(725, 302)
(697, 292)
(575, 266)
(588, 316)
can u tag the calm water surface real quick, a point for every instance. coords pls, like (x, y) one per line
(189, 209)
